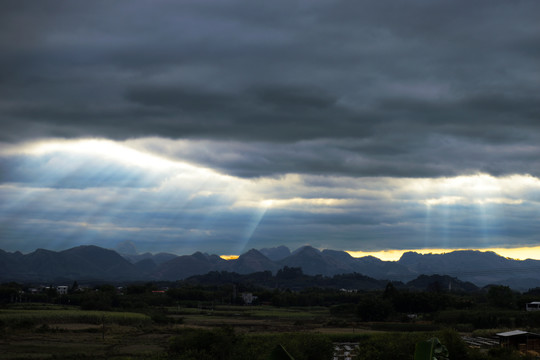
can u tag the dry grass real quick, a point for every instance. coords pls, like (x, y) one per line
(76, 334)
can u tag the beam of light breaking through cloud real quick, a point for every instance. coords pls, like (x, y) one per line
(257, 217)
(173, 136)
(123, 191)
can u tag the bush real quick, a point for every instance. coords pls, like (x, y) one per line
(343, 310)
(374, 309)
(396, 346)
(309, 346)
(224, 344)
(202, 344)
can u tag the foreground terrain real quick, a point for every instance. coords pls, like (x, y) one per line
(45, 331)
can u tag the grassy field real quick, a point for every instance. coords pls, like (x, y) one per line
(44, 331)
(23, 317)
(34, 331)
(80, 341)
(254, 311)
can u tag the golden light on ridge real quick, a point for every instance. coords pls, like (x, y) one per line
(394, 255)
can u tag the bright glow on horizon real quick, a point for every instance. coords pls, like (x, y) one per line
(394, 255)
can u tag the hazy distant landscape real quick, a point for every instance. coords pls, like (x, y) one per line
(93, 263)
(93, 302)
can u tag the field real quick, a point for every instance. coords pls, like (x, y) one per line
(45, 331)
(18, 317)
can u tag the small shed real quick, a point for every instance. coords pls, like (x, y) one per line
(520, 340)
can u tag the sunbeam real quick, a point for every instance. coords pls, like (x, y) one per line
(252, 226)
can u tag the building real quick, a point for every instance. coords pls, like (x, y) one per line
(346, 351)
(533, 306)
(248, 298)
(520, 340)
(62, 289)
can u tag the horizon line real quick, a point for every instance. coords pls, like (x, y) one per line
(521, 253)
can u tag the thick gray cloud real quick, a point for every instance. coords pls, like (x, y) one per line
(337, 123)
(386, 85)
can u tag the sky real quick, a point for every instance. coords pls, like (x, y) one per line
(368, 126)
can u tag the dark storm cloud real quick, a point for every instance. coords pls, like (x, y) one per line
(262, 113)
(372, 157)
(417, 88)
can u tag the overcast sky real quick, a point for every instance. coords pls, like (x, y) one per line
(226, 125)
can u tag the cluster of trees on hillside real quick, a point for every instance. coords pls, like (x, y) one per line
(292, 278)
(498, 307)
(392, 302)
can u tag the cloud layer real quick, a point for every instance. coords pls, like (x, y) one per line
(62, 193)
(324, 117)
(420, 88)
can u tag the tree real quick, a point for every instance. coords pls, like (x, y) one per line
(431, 349)
(204, 344)
(9, 292)
(390, 291)
(501, 296)
(372, 308)
(289, 273)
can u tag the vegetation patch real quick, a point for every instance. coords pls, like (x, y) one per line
(16, 318)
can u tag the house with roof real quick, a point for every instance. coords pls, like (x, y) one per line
(248, 298)
(62, 289)
(520, 340)
(533, 306)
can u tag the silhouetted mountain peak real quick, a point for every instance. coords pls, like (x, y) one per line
(276, 253)
(158, 258)
(409, 256)
(309, 259)
(92, 251)
(201, 256)
(306, 250)
(146, 265)
(41, 251)
(252, 261)
(337, 253)
(126, 248)
(253, 253)
(93, 262)
(371, 259)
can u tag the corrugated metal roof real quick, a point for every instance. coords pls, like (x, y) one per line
(512, 333)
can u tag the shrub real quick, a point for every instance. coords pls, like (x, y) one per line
(224, 344)
(202, 344)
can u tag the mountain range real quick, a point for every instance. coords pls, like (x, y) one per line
(93, 263)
